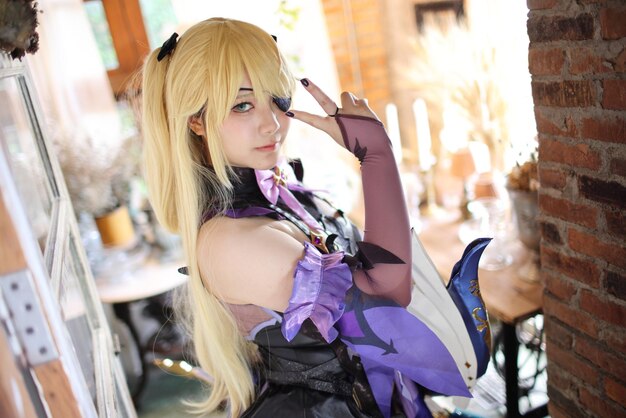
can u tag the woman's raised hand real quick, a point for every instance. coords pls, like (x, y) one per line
(350, 105)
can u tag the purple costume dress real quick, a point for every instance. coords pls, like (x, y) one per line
(341, 349)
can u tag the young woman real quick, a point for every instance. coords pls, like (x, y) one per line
(290, 311)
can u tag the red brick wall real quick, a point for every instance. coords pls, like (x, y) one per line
(356, 31)
(577, 59)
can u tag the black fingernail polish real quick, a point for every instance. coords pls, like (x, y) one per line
(290, 114)
(305, 82)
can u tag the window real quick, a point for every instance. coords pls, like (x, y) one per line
(159, 20)
(438, 13)
(100, 26)
(123, 38)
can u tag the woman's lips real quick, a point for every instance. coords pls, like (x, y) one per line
(271, 147)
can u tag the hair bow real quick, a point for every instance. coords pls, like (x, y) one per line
(167, 47)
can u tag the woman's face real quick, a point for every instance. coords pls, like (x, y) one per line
(253, 132)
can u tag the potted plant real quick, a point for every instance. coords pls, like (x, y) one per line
(98, 178)
(523, 185)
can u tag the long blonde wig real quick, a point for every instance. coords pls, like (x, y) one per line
(188, 175)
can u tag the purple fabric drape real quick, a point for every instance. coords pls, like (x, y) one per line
(320, 284)
(391, 342)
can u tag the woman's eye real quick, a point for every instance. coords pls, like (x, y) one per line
(242, 107)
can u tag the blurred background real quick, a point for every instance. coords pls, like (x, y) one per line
(448, 78)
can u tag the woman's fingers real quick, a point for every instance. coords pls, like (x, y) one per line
(347, 100)
(323, 123)
(350, 105)
(328, 105)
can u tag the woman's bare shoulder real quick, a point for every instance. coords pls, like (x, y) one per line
(222, 226)
(248, 260)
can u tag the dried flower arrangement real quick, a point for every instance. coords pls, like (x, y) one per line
(98, 176)
(18, 21)
(458, 73)
(525, 176)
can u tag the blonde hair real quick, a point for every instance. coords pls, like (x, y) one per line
(201, 77)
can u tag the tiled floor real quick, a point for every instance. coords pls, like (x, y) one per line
(164, 396)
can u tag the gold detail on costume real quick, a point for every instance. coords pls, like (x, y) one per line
(280, 177)
(488, 337)
(318, 238)
(474, 288)
(468, 365)
(483, 323)
(356, 399)
(470, 378)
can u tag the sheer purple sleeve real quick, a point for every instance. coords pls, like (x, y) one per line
(386, 218)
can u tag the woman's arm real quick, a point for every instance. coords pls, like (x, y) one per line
(387, 225)
(248, 260)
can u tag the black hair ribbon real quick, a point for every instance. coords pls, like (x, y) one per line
(168, 47)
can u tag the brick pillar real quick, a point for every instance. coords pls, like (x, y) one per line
(577, 59)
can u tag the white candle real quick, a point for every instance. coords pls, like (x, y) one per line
(393, 130)
(424, 142)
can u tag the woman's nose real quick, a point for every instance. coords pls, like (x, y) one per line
(269, 121)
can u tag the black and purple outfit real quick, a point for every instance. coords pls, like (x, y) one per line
(347, 346)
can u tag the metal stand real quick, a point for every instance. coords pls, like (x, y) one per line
(511, 351)
(122, 312)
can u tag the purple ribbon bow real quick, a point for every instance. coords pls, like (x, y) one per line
(274, 183)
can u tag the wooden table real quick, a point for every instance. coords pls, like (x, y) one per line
(508, 296)
(152, 278)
